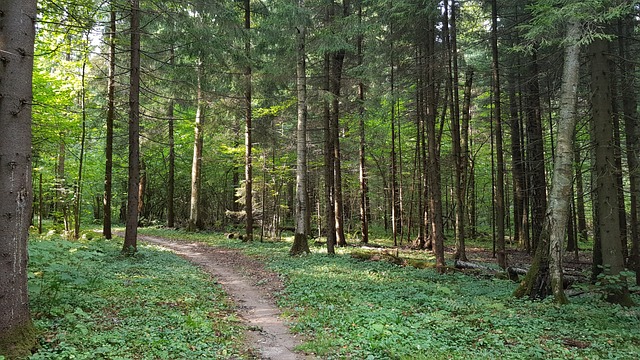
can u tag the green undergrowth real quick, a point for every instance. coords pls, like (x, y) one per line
(90, 302)
(349, 308)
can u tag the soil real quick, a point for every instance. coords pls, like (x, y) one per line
(251, 287)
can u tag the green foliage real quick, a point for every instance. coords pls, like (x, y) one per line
(349, 308)
(89, 302)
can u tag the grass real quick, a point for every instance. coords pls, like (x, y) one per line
(349, 308)
(89, 302)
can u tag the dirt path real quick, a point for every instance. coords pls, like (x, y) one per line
(251, 287)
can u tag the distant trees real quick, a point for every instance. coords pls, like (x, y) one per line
(17, 20)
(413, 120)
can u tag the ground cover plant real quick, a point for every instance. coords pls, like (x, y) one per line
(89, 302)
(350, 308)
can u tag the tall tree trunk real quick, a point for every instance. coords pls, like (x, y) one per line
(194, 207)
(329, 179)
(632, 130)
(83, 135)
(499, 199)
(433, 172)
(248, 142)
(131, 232)
(459, 186)
(545, 274)
(364, 190)
(535, 153)
(111, 108)
(336, 75)
(17, 19)
(300, 242)
(171, 183)
(607, 231)
(395, 210)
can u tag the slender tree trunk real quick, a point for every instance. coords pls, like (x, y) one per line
(336, 75)
(329, 178)
(545, 273)
(17, 19)
(131, 232)
(194, 207)
(300, 242)
(172, 158)
(499, 199)
(111, 108)
(248, 142)
(83, 135)
(364, 190)
(580, 205)
(459, 186)
(433, 172)
(607, 231)
(535, 154)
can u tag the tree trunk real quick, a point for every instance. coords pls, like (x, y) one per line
(499, 199)
(111, 108)
(248, 142)
(607, 231)
(364, 190)
(131, 232)
(545, 275)
(632, 130)
(537, 190)
(580, 206)
(17, 19)
(458, 156)
(196, 164)
(83, 135)
(464, 148)
(171, 183)
(433, 172)
(329, 179)
(336, 75)
(300, 242)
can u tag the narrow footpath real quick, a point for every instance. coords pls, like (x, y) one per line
(251, 287)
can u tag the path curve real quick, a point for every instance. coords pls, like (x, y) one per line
(251, 287)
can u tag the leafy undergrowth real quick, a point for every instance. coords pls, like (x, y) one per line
(89, 302)
(356, 309)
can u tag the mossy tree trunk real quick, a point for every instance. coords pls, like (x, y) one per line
(17, 19)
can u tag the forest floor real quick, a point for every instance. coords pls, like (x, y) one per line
(251, 287)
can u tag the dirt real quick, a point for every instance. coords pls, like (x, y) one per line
(251, 287)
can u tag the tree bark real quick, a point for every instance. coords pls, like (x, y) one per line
(248, 142)
(196, 164)
(111, 109)
(83, 135)
(300, 242)
(17, 19)
(171, 183)
(131, 231)
(364, 189)
(537, 190)
(607, 231)
(499, 198)
(632, 130)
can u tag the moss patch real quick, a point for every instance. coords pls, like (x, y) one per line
(18, 342)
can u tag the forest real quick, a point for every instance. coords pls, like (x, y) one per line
(493, 141)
